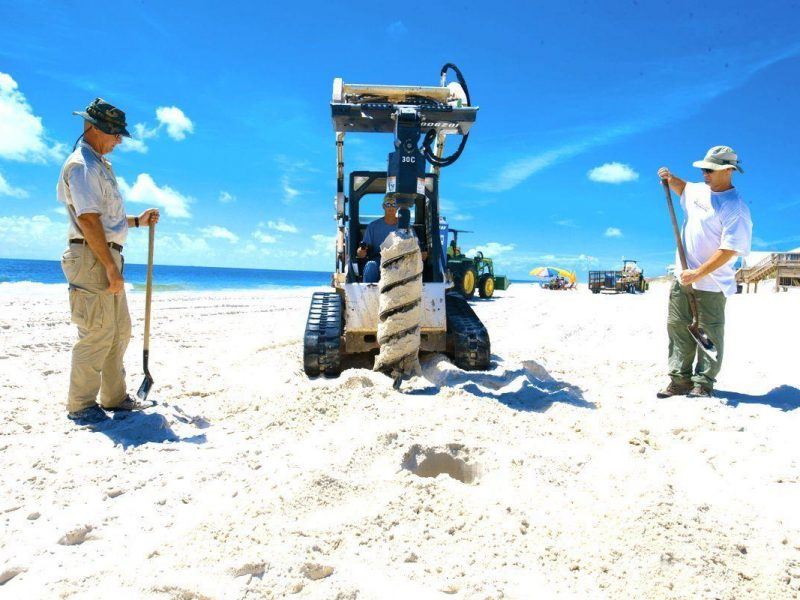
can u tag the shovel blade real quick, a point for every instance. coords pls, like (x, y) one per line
(144, 389)
(703, 341)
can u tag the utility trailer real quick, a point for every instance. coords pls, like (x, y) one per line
(630, 279)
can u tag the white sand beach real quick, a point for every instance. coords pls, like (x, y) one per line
(248, 480)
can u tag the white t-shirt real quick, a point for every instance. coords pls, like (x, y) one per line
(714, 221)
(87, 185)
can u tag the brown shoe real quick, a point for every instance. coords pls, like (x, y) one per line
(130, 404)
(675, 389)
(698, 391)
(88, 416)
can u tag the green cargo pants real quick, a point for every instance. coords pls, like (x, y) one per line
(683, 348)
(104, 330)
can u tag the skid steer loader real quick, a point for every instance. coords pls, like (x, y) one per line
(411, 308)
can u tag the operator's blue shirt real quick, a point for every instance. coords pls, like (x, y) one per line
(375, 235)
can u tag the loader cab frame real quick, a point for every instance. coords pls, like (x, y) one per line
(425, 224)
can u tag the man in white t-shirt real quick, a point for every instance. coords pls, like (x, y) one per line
(716, 230)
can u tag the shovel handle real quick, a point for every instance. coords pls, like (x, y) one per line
(675, 228)
(681, 252)
(149, 289)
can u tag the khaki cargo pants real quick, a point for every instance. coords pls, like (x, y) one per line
(682, 347)
(104, 330)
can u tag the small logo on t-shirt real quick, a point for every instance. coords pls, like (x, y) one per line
(702, 203)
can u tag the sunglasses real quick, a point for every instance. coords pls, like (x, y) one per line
(390, 204)
(117, 136)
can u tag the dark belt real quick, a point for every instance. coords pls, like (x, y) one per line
(113, 245)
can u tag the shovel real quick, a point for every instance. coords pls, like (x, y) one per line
(695, 330)
(147, 383)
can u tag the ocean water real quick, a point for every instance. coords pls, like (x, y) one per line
(170, 278)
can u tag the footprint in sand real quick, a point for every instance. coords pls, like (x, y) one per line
(256, 569)
(9, 574)
(76, 536)
(536, 370)
(358, 382)
(435, 461)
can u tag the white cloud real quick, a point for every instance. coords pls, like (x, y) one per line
(685, 97)
(60, 210)
(784, 244)
(324, 241)
(586, 258)
(294, 173)
(519, 170)
(146, 191)
(264, 238)
(397, 28)
(323, 244)
(32, 237)
(177, 123)
(613, 172)
(133, 144)
(182, 248)
(171, 117)
(491, 250)
(789, 204)
(22, 135)
(6, 189)
(136, 143)
(289, 193)
(300, 165)
(225, 197)
(519, 264)
(566, 223)
(282, 225)
(215, 231)
(613, 232)
(450, 211)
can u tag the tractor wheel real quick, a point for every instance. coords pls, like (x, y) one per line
(467, 282)
(486, 286)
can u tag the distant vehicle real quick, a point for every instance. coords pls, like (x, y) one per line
(629, 279)
(472, 273)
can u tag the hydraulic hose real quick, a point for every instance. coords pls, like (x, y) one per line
(427, 142)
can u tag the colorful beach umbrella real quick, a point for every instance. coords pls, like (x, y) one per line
(544, 272)
(550, 272)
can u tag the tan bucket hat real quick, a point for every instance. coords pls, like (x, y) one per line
(719, 158)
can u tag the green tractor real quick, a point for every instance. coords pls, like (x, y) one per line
(469, 274)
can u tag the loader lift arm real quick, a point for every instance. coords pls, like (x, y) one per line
(408, 112)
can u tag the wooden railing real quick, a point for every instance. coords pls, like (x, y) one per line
(768, 267)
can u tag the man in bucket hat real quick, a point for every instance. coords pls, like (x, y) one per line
(716, 229)
(93, 266)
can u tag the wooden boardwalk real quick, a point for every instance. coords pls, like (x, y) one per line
(784, 267)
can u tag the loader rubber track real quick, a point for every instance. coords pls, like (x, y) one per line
(323, 337)
(467, 338)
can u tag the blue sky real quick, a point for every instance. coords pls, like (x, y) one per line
(580, 103)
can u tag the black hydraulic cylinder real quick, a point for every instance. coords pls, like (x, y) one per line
(405, 180)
